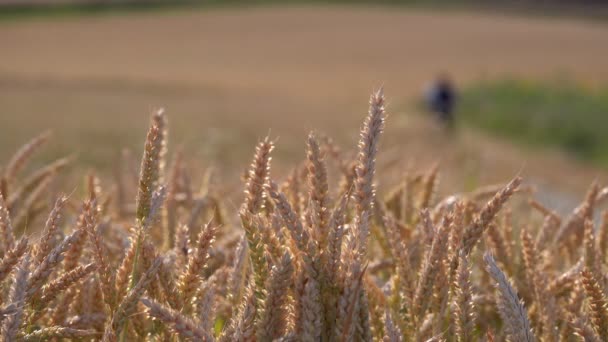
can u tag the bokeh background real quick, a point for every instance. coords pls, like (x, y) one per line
(531, 80)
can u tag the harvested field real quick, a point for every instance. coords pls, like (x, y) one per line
(227, 76)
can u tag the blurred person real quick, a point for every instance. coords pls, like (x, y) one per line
(441, 98)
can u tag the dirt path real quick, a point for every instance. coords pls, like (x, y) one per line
(227, 76)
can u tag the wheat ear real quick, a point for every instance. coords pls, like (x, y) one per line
(510, 307)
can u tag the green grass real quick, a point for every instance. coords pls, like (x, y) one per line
(558, 114)
(553, 9)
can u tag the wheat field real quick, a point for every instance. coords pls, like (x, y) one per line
(227, 76)
(340, 223)
(318, 253)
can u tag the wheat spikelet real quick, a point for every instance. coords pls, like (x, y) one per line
(272, 316)
(348, 179)
(242, 326)
(62, 283)
(497, 243)
(392, 332)
(312, 312)
(171, 205)
(271, 240)
(72, 255)
(17, 162)
(205, 306)
(464, 314)
(180, 324)
(583, 330)
(290, 219)
(566, 280)
(456, 231)
(152, 164)
(348, 302)
(17, 298)
(182, 245)
(7, 237)
(82, 303)
(507, 232)
(126, 266)
(191, 277)
(41, 273)
(334, 244)
(239, 272)
(300, 280)
(50, 228)
(149, 256)
(32, 188)
(129, 302)
(61, 308)
(258, 260)
(377, 303)
(7, 311)
(3, 187)
(602, 239)
(109, 335)
(428, 229)
(429, 187)
(537, 281)
(317, 178)
(543, 209)
(474, 232)
(403, 280)
(12, 257)
(334, 151)
(602, 195)
(106, 276)
(26, 210)
(292, 189)
(575, 222)
(199, 206)
(574, 305)
(591, 255)
(167, 282)
(550, 224)
(365, 168)
(143, 224)
(598, 306)
(393, 201)
(430, 270)
(510, 307)
(362, 324)
(57, 332)
(258, 176)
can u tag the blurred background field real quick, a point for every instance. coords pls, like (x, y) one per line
(559, 113)
(532, 83)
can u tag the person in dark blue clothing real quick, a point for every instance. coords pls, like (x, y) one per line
(441, 100)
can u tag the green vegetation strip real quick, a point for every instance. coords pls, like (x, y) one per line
(33, 9)
(559, 114)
